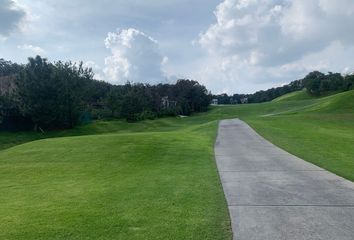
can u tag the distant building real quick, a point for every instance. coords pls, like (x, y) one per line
(244, 100)
(166, 103)
(214, 101)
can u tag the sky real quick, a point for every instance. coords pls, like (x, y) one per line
(230, 46)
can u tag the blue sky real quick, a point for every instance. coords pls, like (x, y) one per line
(228, 45)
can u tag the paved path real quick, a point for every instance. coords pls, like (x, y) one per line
(274, 195)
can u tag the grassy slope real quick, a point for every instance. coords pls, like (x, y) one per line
(153, 179)
(149, 185)
(298, 95)
(320, 131)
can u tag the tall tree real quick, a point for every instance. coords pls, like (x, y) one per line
(52, 94)
(312, 82)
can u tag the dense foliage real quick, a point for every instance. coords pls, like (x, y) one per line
(141, 101)
(316, 83)
(45, 95)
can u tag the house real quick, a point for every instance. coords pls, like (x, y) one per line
(166, 103)
(214, 101)
(244, 100)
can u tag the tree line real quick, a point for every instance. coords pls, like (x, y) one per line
(318, 83)
(45, 95)
(315, 83)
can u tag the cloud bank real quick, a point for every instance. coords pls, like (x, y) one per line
(10, 17)
(136, 57)
(259, 43)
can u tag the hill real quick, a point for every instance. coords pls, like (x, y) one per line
(320, 131)
(298, 95)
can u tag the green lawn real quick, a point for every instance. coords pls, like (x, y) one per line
(298, 95)
(150, 185)
(153, 179)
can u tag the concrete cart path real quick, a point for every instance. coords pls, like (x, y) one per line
(273, 195)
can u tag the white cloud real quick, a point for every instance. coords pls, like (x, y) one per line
(11, 15)
(259, 43)
(33, 49)
(136, 57)
(251, 45)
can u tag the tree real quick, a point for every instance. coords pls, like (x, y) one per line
(52, 94)
(312, 82)
(113, 101)
(8, 68)
(72, 85)
(133, 104)
(349, 82)
(191, 96)
(318, 83)
(37, 91)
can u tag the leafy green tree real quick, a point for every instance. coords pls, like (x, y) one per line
(37, 92)
(312, 82)
(191, 96)
(349, 82)
(133, 105)
(8, 68)
(52, 94)
(318, 83)
(72, 84)
(114, 100)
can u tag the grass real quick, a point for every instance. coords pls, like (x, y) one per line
(322, 132)
(297, 95)
(147, 185)
(153, 179)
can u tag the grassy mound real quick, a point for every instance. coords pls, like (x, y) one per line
(294, 96)
(342, 103)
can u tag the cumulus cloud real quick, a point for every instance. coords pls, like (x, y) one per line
(260, 42)
(136, 57)
(10, 17)
(33, 49)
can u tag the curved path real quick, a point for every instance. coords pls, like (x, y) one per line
(273, 195)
